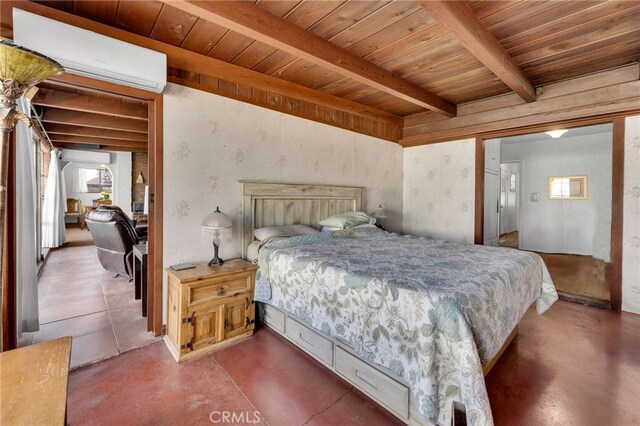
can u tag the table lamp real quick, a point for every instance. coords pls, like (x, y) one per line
(216, 226)
(379, 213)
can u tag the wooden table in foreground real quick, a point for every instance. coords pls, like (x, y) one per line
(33, 384)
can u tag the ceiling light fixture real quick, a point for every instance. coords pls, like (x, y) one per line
(556, 133)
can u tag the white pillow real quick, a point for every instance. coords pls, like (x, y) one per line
(333, 228)
(347, 220)
(267, 232)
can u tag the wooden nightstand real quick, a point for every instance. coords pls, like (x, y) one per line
(209, 307)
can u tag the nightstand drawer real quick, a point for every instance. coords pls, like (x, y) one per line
(272, 317)
(206, 291)
(318, 346)
(381, 387)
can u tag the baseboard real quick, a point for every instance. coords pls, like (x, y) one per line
(584, 300)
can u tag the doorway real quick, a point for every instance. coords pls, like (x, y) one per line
(553, 196)
(509, 204)
(67, 137)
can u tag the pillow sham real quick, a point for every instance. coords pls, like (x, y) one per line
(331, 229)
(267, 232)
(347, 220)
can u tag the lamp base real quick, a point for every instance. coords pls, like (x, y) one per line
(216, 261)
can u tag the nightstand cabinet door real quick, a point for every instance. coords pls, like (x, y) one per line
(206, 327)
(238, 315)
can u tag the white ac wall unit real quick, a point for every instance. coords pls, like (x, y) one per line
(90, 54)
(86, 156)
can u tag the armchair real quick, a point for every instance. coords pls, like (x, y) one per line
(115, 237)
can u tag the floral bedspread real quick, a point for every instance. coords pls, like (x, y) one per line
(432, 312)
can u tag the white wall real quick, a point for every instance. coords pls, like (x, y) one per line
(211, 142)
(564, 226)
(120, 167)
(631, 221)
(438, 190)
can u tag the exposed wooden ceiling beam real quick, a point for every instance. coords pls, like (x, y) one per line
(193, 62)
(96, 148)
(458, 18)
(94, 132)
(260, 24)
(96, 141)
(94, 104)
(85, 119)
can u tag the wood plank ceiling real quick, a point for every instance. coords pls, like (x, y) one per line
(541, 42)
(83, 119)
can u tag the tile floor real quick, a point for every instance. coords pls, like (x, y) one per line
(574, 365)
(77, 237)
(78, 298)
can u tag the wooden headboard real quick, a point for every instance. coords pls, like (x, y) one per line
(276, 203)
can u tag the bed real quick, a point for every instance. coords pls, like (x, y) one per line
(412, 322)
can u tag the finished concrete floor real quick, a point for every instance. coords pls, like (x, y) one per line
(574, 365)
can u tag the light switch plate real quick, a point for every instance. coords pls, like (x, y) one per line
(534, 197)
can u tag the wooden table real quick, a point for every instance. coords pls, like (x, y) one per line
(140, 274)
(33, 383)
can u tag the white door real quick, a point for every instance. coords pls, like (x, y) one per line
(491, 207)
(512, 203)
(504, 201)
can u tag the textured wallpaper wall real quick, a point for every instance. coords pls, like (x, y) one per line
(212, 142)
(438, 190)
(631, 223)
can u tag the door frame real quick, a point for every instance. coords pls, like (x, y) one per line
(155, 180)
(617, 190)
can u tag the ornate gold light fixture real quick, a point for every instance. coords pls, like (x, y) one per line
(20, 68)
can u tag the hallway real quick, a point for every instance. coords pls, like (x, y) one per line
(78, 298)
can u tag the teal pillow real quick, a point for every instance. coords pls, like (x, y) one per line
(347, 220)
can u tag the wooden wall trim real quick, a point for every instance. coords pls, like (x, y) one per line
(617, 212)
(155, 258)
(478, 237)
(597, 97)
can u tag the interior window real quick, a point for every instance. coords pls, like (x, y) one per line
(95, 180)
(568, 188)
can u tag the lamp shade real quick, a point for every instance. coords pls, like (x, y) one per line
(216, 221)
(379, 213)
(25, 66)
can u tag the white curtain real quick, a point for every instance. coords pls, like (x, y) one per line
(27, 246)
(54, 205)
(80, 181)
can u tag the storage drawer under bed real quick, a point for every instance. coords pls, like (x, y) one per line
(316, 345)
(272, 317)
(378, 385)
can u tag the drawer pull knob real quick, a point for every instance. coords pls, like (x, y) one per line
(305, 340)
(220, 291)
(362, 377)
